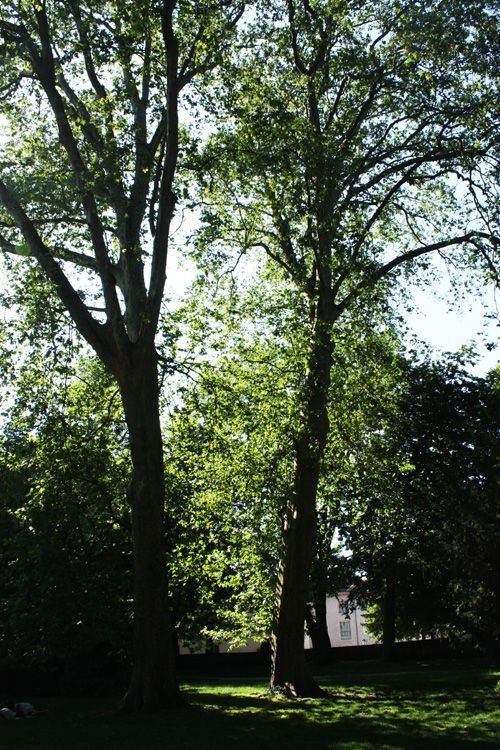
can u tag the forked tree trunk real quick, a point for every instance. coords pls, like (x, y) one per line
(153, 684)
(290, 671)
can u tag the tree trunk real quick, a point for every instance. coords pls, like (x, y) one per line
(318, 629)
(153, 684)
(290, 672)
(389, 617)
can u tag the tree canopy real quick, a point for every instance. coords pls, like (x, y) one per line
(344, 142)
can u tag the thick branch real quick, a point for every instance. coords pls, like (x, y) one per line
(78, 259)
(188, 69)
(88, 128)
(299, 63)
(386, 268)
(86, 49)
(285, 239)
(90, 329)
(44, 67)
(385, 33)
(364, 110)
(381, 207)
(336, 103)
(166, 196)
(412, 162)
(279, 260)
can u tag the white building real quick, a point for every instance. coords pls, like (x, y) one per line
(345, 623)
(345, 627)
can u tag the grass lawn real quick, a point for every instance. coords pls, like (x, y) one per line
(452, 705)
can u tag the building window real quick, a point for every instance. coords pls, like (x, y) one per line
(345, 631)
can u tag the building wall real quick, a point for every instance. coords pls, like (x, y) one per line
(345, 625)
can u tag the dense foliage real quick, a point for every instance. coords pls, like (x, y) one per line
(65, 544)
(433, 539)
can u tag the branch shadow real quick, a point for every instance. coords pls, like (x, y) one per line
(257, 721)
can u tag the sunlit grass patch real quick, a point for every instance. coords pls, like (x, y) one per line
(370, 706)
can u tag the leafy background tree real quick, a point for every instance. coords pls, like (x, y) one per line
(418, 546)
(230, 437)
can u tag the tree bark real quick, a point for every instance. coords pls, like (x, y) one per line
(289, 672)
(318, 628)
(153, 684)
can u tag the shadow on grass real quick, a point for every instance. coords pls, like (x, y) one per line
(356, 720)
(245, 725)
(360, 716)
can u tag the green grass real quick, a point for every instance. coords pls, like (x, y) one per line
(372, 706)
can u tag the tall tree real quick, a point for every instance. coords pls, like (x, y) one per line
(91, 92)
(350, 126)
